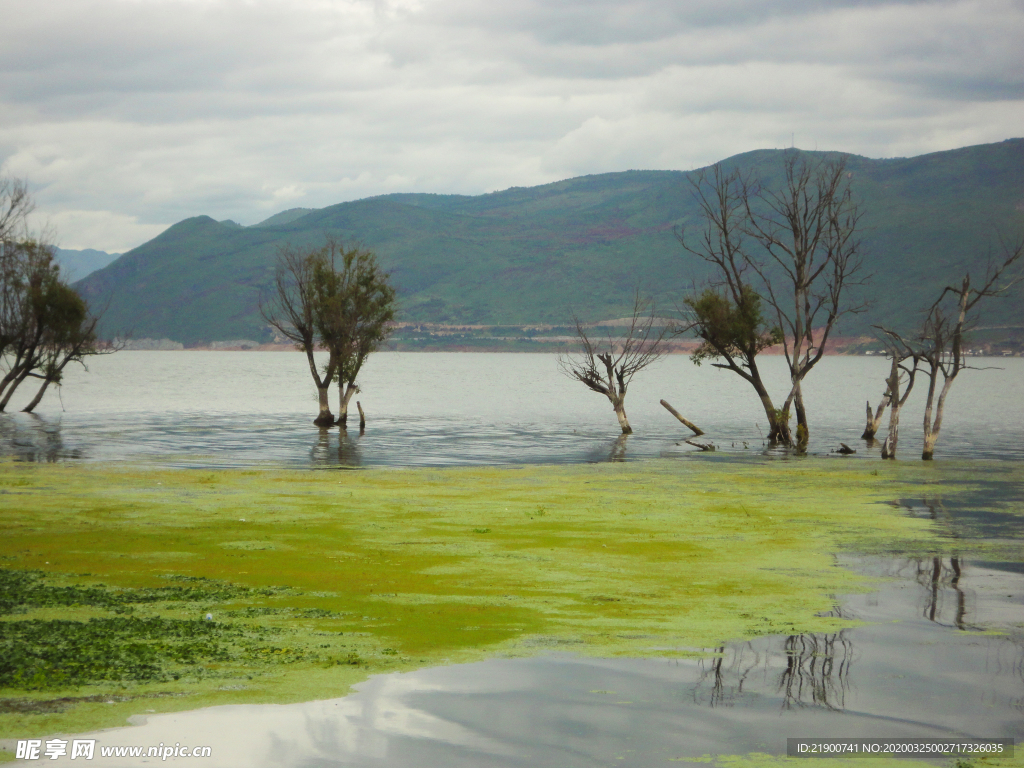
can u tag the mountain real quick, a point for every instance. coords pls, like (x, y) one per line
(533, 255)
(76, 265)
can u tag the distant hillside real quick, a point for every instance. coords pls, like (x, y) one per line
(76, 265)
(529, 255)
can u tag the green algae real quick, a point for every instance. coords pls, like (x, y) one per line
(331, 577)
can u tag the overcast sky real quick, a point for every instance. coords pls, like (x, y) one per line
(126, 116)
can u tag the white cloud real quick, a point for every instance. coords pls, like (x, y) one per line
(129, 115)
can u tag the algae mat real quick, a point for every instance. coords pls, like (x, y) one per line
(131, 590)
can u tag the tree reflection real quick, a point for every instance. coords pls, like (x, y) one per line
(618, 452)
(938, 579)
(345, 454)
(812, 670)
(726, 672)
(38, 440)
(817, 670)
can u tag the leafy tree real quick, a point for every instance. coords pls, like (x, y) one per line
(356, 306)
(44, 323)
(292, 312)
(336, 298)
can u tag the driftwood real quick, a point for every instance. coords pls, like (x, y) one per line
(845, 449)
(362, 417)
(693, 427)
(702, 446)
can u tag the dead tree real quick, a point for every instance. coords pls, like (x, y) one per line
(727, 314)
(947, 324)
(607, 366)
(697, 431)
(808, 237)
(292, 311)
(873, 421)
(898, 353)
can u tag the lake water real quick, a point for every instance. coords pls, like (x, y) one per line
(921, 666)
(240, 409)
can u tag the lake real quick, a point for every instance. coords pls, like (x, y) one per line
(243, 409)
(924, 664)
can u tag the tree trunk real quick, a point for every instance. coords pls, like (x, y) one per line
(778, 426)
(893, 394)
(693, 427)
(325, 418)
(803, 432)
(362, 418)
(873, 421)
(344, 397)
(931, 431)
(11, 387)
(620, 414)
(39, 396)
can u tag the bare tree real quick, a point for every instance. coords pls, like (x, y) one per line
(898, 353)
(945, 331)
(727, 315)
(808, 231)
(15, 206)
(292, 311)
(607, 366)
(940, 342)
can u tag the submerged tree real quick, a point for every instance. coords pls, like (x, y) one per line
(336, 298)
(874, 420)
(808, 230)
(356, 309)
(795, 250)
(608, 365)
(727, 315)
(293, 311)
(44, 323)
(898, 353)
(940, 342)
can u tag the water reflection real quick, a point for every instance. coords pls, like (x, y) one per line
(817, 671)
(810, 670)
(890, 677)
(618, 452)
(938, 579)
(34, 438)
(336, 448)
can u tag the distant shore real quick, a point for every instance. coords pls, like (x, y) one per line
(452, 341)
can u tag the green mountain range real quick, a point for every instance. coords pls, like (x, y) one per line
(537, 254)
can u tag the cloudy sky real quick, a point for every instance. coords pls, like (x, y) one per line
(126, 116)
